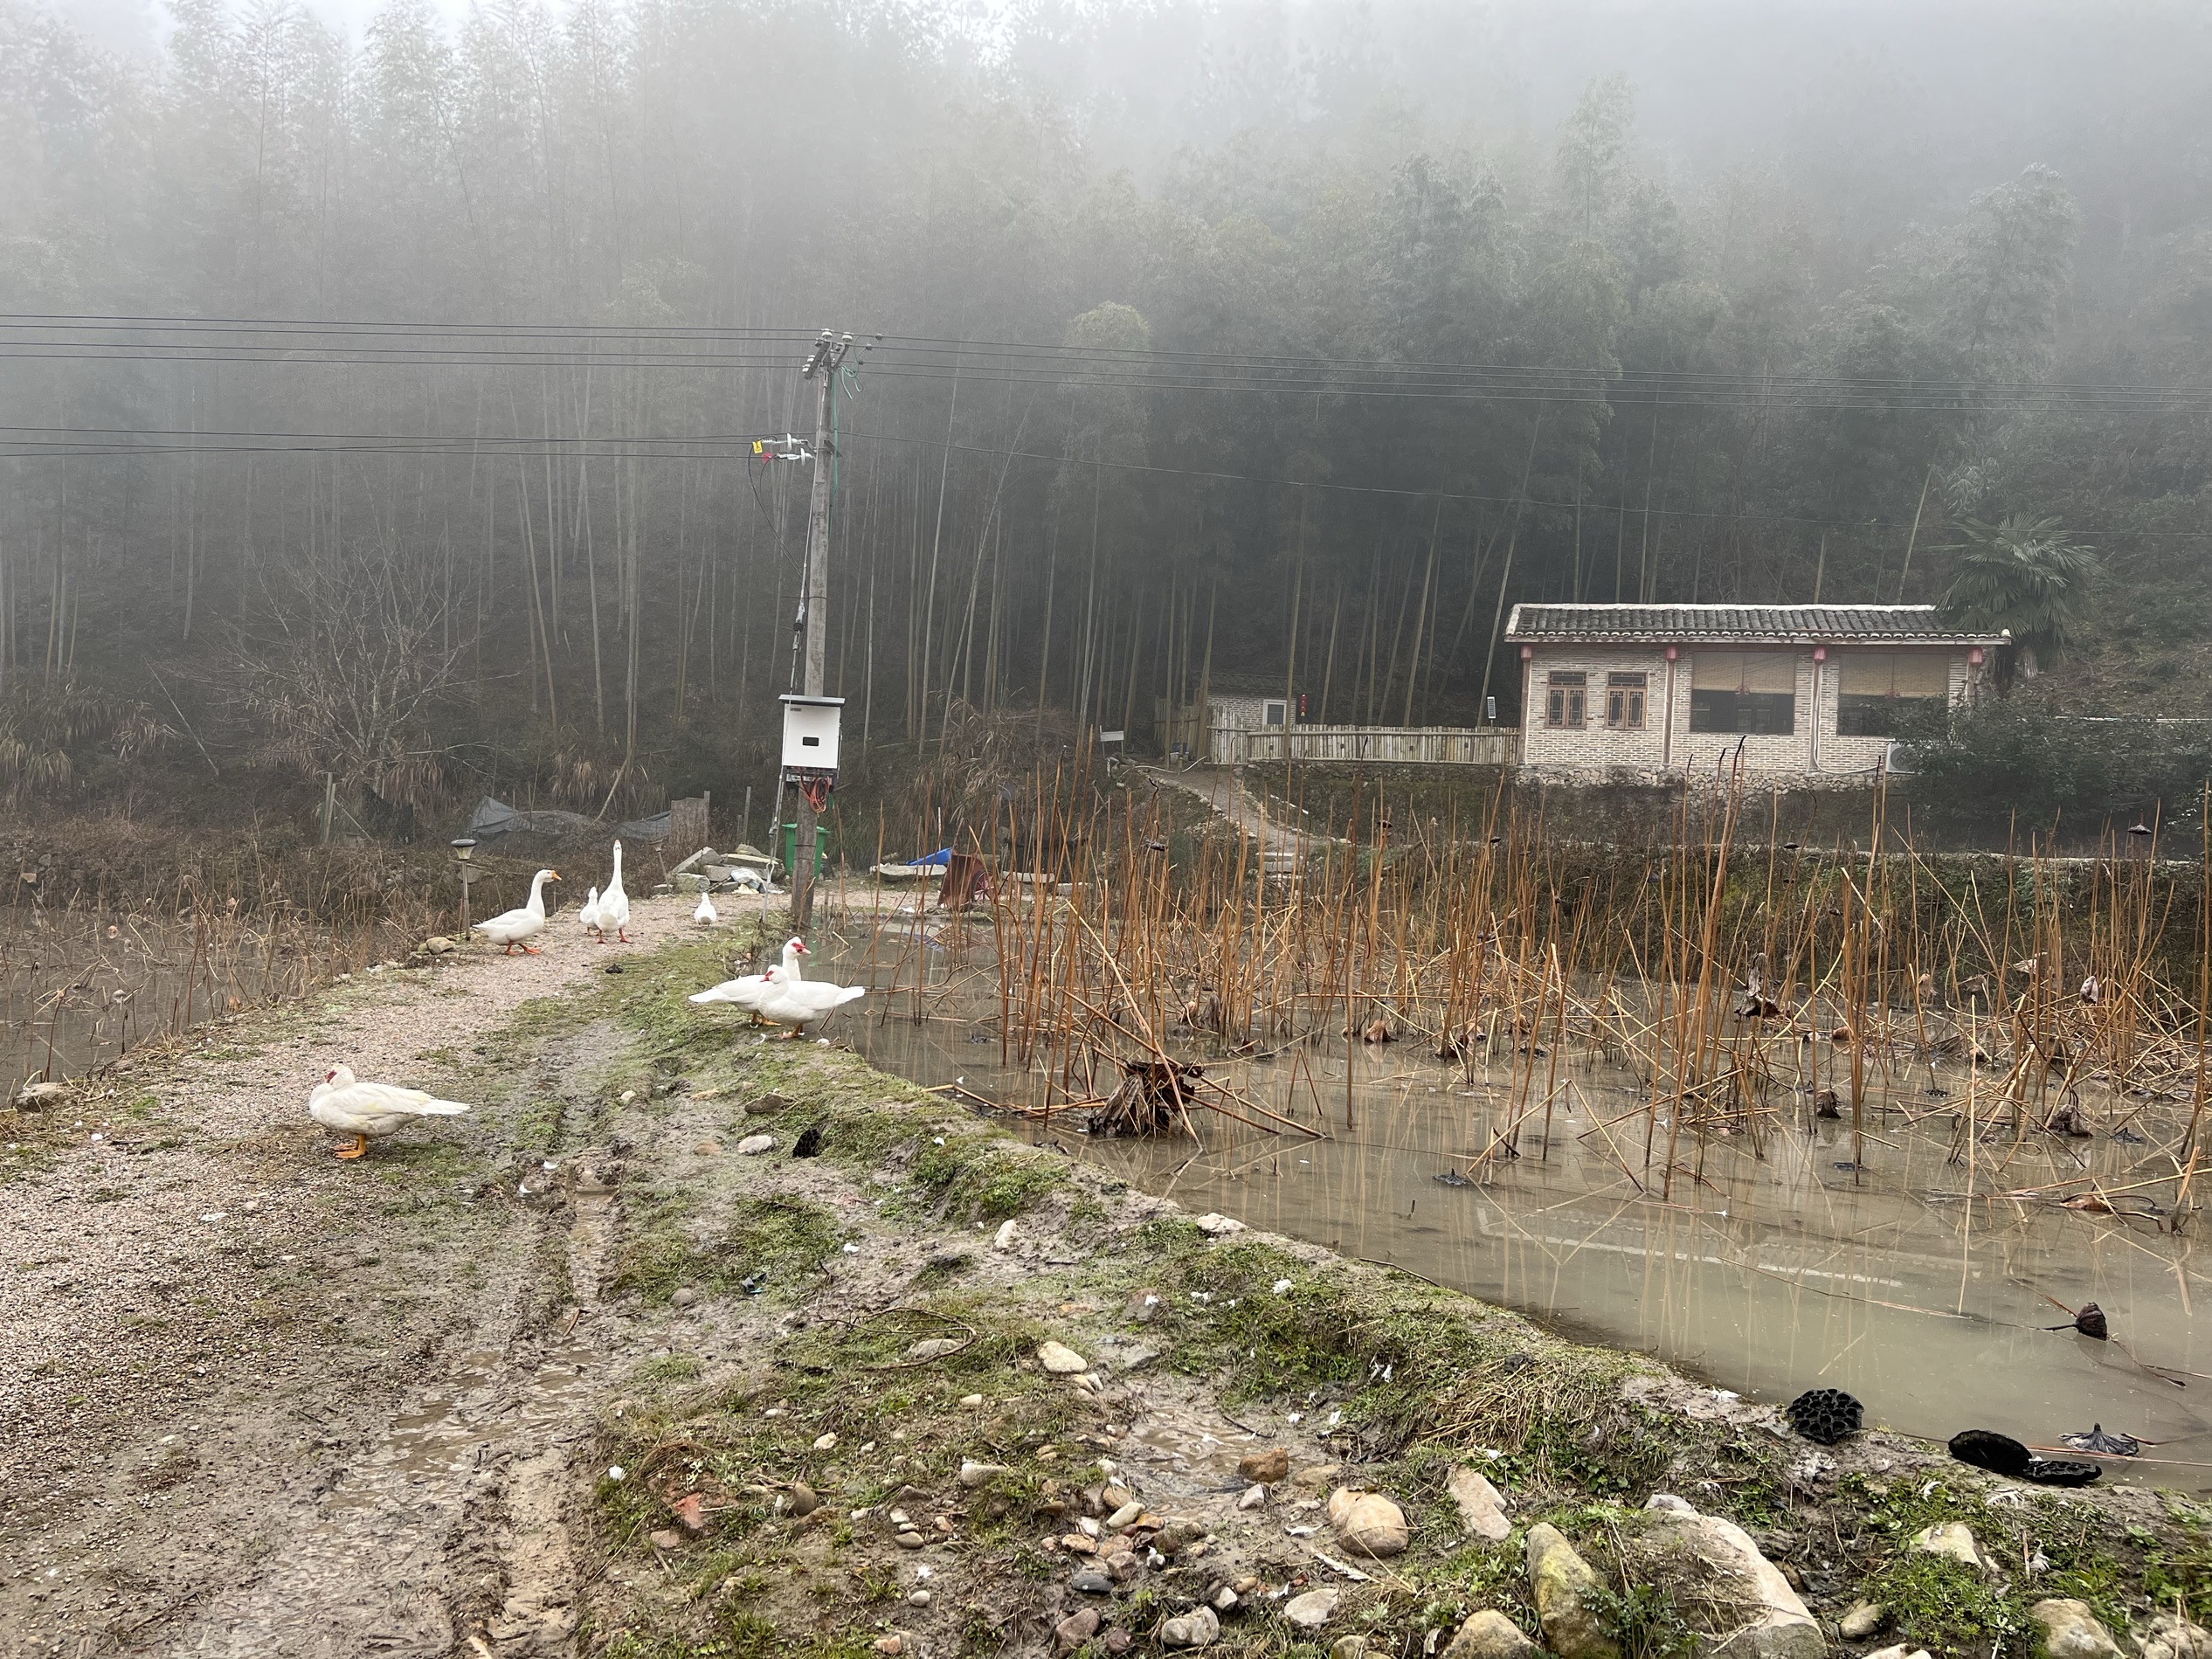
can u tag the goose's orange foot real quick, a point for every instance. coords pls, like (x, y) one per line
(360, 1145)
(531, 950)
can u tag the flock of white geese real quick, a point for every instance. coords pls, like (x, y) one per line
(358, 1113)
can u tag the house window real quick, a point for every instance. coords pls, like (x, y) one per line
(1889, 694)
(1752, 692)
(1564, 693)
(1273, 712)
(1624, 696)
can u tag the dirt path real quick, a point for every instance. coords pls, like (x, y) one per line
(1224, 792)
(253, 1400)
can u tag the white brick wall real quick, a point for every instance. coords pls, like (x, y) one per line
(1815, 749)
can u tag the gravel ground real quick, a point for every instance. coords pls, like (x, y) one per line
(254, 1399)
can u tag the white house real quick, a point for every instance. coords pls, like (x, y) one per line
(1816, 691)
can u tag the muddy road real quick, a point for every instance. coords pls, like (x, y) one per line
(254, 1399)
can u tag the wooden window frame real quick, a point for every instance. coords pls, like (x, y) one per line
(1566, 694)
(1627, 698)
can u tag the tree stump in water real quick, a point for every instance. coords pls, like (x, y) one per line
(1152, 1099)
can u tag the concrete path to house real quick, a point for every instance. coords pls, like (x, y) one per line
(1223, 789)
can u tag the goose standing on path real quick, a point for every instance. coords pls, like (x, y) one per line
(363, 1112)
(704, 916)
(510, 929)
(614, 903)
(587, 916)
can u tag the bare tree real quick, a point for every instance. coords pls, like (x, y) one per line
(345, 666)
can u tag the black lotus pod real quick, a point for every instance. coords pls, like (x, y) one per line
(1825, 1416)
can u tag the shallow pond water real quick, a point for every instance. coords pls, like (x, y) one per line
(79, 987)
(1768, 1271)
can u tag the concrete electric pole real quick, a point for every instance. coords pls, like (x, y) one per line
(822, 365)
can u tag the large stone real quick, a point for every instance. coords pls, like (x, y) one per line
(1061, 1360)
(1861, 1619)
(1313, 1609)
(1269, 1466)
(1490, 1634)
(1367, 1523)
(1754, 1613)
(2171, 1637)
(2071, 1630)
(1902, 1650)
(1197, 1628)
(1349, 1647)
(1952, 1540)
(1482, 1506)
(1561, 1582)
(1075, 1630)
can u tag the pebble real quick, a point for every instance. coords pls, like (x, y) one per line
(975, 1473)
(890, 1644)
(1075, 1630)
(1198, 1628)
(934, 1347)
(1090, 1583)
(1313, 1609)
(705, 1149)
(1004, 1238)
(1253, 1497)
(1225, 1599)
(1368, 1523)
(908, 1540)
(972, 1400)
(1061, 1360)
(918, 1599)
(825, 1442)
(1126, 1515)
(803, 1501)
(668, 1540)
(684, 1298)
(754, 1146)
(1268, 1466)
(1861, 1621)
(1952, 1540)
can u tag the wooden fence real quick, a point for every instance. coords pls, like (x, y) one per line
(1411, 746)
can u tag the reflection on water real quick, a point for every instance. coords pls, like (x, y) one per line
(1765, 1274)
(79, 987)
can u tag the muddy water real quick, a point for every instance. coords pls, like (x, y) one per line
(79, 987)
(1765, 1274)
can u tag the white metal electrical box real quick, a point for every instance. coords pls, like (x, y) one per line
(810, 737)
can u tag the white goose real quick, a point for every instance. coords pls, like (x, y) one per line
(587, 914)
(363, 1112)
(746, 991)
(614, 903)
(704, 916)
(790, 1000)
(510, 929)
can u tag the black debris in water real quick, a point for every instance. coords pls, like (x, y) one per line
(2106, 1445)
(2090, 1322)
(1825, 1416)
(1451, 1178)
(809, 1144)
(2002, 1455)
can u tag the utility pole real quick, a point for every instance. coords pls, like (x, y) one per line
(822, 364)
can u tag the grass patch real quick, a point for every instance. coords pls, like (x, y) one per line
(772, 1245)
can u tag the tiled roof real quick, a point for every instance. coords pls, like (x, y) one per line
(1916, 623)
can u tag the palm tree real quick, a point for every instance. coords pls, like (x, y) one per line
(2023, 575)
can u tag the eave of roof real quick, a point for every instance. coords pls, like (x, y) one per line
(1777, 624)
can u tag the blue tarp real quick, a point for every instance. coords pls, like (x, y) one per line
(938, 859)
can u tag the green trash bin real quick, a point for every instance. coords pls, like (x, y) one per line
(821, 847)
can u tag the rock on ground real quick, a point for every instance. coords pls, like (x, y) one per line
(2071, 1630)
(1490, 1634)
(1482, 1506)
(1758, 1614)
(1313, 1609)
(1952, 1540)
(1368, 1523)
(1561, 1582)
(2176, 1638)
(1198, 1628)
(1861, 1619)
